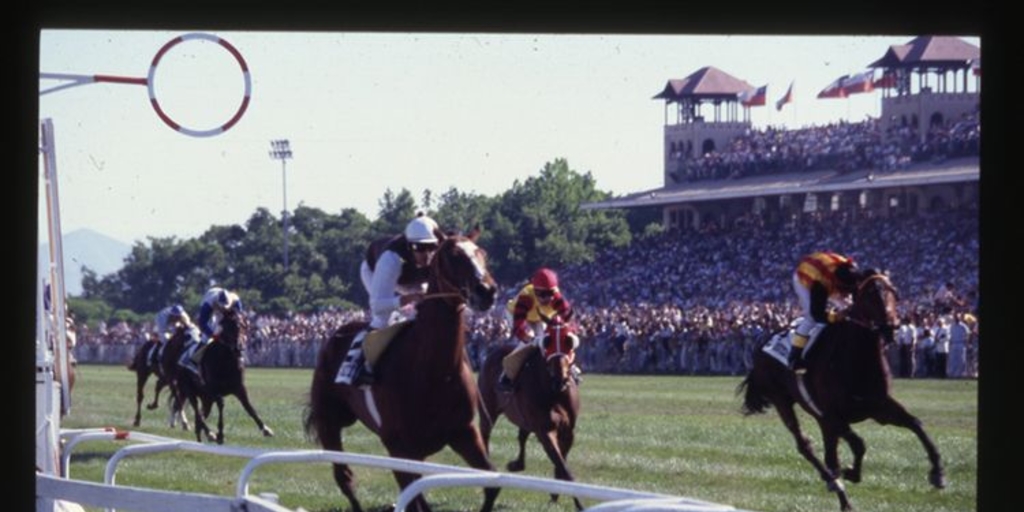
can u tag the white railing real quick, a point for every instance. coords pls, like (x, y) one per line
(433, 476)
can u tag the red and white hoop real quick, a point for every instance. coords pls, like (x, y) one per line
(150, 82)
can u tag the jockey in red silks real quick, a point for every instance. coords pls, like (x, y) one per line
(820, 278)
(537, 304)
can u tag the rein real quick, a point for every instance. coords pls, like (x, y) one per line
(870, 325)
(448, 289)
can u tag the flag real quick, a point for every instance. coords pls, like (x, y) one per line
(834, 89)
(787, 98)
(861, 82)
(886, 81)
(754, 97)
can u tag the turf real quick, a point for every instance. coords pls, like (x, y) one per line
(675, 435)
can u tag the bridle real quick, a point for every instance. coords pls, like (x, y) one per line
(882, 328)
(446, 288)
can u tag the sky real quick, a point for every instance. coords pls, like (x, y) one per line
(367, 112)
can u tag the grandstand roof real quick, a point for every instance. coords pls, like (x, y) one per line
(953, 171)
(705, 83)
(929, 51)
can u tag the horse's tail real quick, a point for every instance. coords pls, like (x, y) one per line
(754, 399)
(313, 412)
(318, 411)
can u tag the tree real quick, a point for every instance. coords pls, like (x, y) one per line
(550, 228)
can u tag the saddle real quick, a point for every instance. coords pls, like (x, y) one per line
(377, 341)
(781, 342)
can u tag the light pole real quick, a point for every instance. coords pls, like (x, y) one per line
(281, 150)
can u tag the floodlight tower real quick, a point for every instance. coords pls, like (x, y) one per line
(281, 150)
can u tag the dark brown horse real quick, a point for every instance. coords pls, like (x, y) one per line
(166, 372)
(545, 401)
(424, 397)
(222, 371)
(847, 381)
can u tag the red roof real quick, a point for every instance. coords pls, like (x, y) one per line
(933, 51)
(705, 83)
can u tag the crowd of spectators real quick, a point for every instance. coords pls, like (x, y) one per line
(841, 146)
(699, 303)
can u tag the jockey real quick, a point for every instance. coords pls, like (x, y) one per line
(215, 302)
(394, 274)
(539, 302)
(820, 278)
(166, 322)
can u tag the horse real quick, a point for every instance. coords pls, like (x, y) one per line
(545, 401)
(166, 372)
(424, 397)
(221, 373)
(847, 381)
(140, 366)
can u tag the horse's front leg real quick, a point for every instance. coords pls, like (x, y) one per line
(858, 448)
(803, 445)
(893, 413)
(519, 463)
(160, 383)
(140, 392)
(830, 438)
(243, 397)
(550, 442)
(470, 446)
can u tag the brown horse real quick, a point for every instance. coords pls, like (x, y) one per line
(545, 401)
(847, 381)
(424, 397)
(222, 371)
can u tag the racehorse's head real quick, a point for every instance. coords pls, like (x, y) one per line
(460, 268)
(874, 304)
(559, 344)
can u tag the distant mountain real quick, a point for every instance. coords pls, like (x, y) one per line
(85, 247)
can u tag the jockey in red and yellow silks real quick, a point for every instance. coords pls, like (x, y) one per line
(819, 278)
(538, 303)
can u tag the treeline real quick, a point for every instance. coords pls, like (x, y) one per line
(535, 223)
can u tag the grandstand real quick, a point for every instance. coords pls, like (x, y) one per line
(920, 156)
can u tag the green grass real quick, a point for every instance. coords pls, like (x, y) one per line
(675, 435)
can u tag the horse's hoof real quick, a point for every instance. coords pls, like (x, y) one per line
(937, 479)
(516, 466)
(150, 407)
(267, 432)
(851, 476)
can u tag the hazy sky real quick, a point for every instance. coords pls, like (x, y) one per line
(366, 112)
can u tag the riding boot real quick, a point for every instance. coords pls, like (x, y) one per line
(576, 372)
(355, 370)
(186, 360)
(154, 357)
(505, 384)
(796, 359)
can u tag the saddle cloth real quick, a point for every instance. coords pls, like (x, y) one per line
(778, 347)
(376, 342)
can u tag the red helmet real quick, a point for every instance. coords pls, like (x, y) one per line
(544, 279)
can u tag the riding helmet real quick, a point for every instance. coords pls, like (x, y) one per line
(544, 279)
(421, 230)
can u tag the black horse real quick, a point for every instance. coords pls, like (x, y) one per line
(166, 373)
(221, 373)
(847, 381)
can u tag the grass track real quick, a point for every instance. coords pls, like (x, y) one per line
(668, 434)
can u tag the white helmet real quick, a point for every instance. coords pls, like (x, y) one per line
(421, 230)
